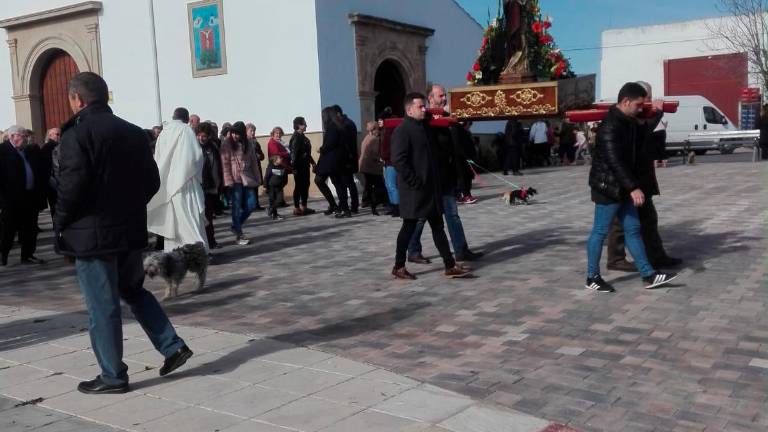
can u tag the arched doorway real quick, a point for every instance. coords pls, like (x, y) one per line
(58, 70)
(389, 86)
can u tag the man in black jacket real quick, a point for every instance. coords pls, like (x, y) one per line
(107, 176)
(651, 145)
(616, 189)
(419, 184)
(20, 196)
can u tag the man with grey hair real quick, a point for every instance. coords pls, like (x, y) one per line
(194, 122)
(19, 196)
(101, 221)
(651, 144)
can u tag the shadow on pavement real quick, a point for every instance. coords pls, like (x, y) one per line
(261, 347)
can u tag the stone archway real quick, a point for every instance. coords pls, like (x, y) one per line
(378, 40)
(34, 38)
(389, 86)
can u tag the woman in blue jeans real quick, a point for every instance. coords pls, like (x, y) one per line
(242, 176)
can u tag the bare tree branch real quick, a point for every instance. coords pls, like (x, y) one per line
(745, 30)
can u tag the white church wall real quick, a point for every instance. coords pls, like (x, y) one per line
(638, 53)
(126, 57)
(451, 53)
(272, 65)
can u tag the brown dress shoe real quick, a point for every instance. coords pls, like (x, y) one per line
(458, 271)
(622, 265)
(402, 273)
(419, 259)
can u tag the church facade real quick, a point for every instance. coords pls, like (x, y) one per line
(263, 61)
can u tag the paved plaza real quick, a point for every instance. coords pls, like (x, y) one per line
(309, 327)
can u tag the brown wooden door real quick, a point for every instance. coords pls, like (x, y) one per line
(57, 74)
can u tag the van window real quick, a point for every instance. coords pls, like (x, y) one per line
(713, 116)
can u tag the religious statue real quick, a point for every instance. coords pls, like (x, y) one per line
(516, 69)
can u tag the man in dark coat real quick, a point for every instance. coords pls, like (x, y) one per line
(107, 176)
(513, 148)
(418, 181)
(616, 188)
(651, 147)
(20, 196)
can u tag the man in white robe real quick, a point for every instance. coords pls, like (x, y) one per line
(177, 211)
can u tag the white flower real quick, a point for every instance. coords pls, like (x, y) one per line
(479, 75)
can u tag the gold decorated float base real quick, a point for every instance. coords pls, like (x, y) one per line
(500, 102)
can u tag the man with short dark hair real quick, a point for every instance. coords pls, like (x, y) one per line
(418, 181)
(20, 194)
(450, 161)
(616, 188)
(348, 167)
(101, 221)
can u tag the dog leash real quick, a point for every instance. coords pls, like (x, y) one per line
(471, 162)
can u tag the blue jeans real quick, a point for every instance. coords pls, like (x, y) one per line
(455, 228)
(104, 281)
(243, 204)
(627, 214)
(390, 181)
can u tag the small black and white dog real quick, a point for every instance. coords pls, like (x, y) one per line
(173, 266)
(520, 196)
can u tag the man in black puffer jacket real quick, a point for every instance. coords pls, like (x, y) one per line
(615, 180)
(106, 178)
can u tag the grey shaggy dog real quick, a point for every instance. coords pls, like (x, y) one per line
(173, 266)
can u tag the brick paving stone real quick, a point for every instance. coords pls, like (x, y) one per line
(507, 335)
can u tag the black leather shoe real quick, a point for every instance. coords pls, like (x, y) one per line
(622, 265)
(97, 386)
(176, 360)
(345, 214)
(468, 255)
(32, 260)
(330, 211)
(666, 261)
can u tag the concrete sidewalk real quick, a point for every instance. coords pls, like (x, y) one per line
(233, 383)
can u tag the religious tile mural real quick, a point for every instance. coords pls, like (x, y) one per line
(206, 37)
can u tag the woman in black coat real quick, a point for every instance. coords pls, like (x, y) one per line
(332, 153)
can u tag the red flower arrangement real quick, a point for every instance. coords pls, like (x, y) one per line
(545, 59)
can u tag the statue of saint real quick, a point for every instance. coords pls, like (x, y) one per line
(516, 69)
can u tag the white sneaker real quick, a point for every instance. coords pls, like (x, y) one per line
(658, 279)
(243, 241)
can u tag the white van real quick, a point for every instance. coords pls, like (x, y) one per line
(696, 114)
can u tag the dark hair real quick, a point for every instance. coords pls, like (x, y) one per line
(631, 91)
(181, 114)
(410, 97)
(385, 113)
(330, 118)
(90, 86)
(338, 109)
(298, 121)
(206, 128)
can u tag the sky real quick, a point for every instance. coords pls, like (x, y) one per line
(578, 24)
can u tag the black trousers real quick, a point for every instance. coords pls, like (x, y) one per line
(435, 221)
(349, 182)
(21, 220)
(512, 156)
(322, 185)
(339, 182)
(211, 201)
(374, 186)
(649, 230)
(301, 186)
(274, 198)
